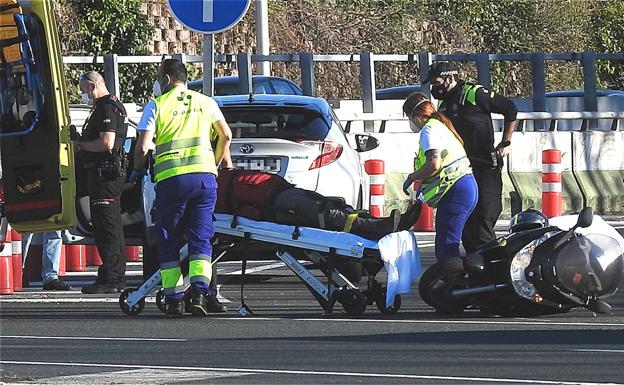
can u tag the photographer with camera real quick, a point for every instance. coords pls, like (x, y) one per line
(103, 160)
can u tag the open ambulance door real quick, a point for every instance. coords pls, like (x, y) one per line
(37, 156)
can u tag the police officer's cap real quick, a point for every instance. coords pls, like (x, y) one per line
(440, 70)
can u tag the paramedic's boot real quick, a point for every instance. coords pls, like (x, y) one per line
(410, 217)
(174, 308)
(213, 305)
(377, 227)
(198, 304)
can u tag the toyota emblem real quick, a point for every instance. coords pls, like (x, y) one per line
(247, 148)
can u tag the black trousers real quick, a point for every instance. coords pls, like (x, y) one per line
(105, 196)
(479, 228)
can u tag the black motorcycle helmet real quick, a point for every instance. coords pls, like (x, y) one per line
(527, 220)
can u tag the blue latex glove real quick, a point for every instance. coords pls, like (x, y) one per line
(409, 181)
(135, 176)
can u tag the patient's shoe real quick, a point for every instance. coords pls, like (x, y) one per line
(410, 217)
(377, 227)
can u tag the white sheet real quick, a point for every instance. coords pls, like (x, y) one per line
(399, 252)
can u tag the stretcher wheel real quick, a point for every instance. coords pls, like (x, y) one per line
(160, 300)
(380, 301)
(353, 301)
(130, 310)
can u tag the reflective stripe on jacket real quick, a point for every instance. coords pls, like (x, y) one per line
(183, 134)
(454, 165)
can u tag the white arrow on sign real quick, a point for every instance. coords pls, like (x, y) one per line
(208, 11)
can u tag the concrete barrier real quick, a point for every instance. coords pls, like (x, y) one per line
(598, 164)
(525, 168)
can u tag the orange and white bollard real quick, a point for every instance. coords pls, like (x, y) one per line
(16, 243)
(425, 218)
(6, 266)
(377, 179)
(132, 253)
(93, 256)
(551, 183)
(75, 258)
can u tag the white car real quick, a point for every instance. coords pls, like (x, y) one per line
(301, 139)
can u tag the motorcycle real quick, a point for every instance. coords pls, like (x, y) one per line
(537, 269)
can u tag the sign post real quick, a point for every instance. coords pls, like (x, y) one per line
(208, 17)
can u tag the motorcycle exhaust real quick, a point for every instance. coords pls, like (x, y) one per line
(477, 290)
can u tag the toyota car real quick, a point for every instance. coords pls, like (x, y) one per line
(299, 138)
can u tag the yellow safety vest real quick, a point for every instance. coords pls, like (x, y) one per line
(455, 164)
(183, 133)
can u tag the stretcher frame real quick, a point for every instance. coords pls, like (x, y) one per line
(325, 249)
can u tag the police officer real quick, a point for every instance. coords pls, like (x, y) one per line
(185, 168)
(469, 107)
(102, 156)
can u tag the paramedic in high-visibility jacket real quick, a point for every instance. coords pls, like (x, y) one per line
(180, 122)
(442, 166)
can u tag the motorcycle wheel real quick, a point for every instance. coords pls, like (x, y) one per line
(437, 283)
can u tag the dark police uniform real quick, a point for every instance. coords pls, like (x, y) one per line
(105, 179)
(469, 107)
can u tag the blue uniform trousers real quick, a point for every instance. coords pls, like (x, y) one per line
(452, 214)
(184, 210)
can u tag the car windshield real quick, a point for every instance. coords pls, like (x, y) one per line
(281, 123)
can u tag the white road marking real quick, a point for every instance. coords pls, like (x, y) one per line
(599, 350)
(309, 373)
(258, 268)
(137, 377)
(466, 322)
(96, 338)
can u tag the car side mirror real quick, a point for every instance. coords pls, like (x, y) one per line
(365, 143)
(585, 217)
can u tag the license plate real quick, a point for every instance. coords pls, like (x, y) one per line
(258, 164)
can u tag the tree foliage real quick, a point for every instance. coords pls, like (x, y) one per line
(380, 26)
(98, 27)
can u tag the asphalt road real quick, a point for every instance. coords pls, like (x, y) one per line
(68, 338)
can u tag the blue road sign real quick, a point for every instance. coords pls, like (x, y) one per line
(208, 16)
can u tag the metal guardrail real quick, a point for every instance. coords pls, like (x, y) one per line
(367, 60)
(522, 118)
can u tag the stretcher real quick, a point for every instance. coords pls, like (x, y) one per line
(327, 250)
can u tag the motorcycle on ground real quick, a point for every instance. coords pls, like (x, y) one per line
(537, 269)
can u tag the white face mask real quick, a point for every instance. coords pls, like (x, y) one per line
(86, 99)
(156, 89)
(414, 127)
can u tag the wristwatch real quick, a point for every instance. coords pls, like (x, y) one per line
(504, 143)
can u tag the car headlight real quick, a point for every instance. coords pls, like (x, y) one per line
(518, 265)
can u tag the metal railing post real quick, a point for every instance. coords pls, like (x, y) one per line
(539, 86)
(367, 84)
(308, 81)
(111, 74)
(179, 56)
(589, 81)
(483, 69)
(424, 61)
(243, 63)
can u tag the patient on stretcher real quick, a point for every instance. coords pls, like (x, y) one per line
(268, 197)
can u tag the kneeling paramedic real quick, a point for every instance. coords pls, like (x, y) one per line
(101, 154)
(444, 169)
(185, 170)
